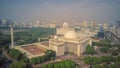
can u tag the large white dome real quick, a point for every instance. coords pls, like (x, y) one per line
(70, 35)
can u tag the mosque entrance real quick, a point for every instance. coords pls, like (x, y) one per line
(66, 50)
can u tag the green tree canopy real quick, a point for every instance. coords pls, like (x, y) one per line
(90, 50)
(16, 54)
(61, 64)
(104, 49)
(18, 65)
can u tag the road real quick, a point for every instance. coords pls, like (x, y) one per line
(111, 36)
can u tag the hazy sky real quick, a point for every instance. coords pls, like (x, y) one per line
(63, 10)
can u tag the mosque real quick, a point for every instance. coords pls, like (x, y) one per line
(65, 40)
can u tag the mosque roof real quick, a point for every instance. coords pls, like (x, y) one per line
(70, 35)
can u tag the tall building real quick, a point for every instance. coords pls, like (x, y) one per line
(105, 26)
(85, 24)
(5, 22)
(117, 24)
(100, 33)
(118, 28)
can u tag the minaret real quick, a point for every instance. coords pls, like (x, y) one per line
(12, 39)
(90, 42)
(39, 39)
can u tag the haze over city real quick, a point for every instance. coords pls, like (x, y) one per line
(59, 33)
(101, 11)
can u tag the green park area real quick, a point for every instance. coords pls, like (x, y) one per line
(100, 54)
(26, 35)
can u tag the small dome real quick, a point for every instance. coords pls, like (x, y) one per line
(65, 25)
(55, 37)
(70, 35)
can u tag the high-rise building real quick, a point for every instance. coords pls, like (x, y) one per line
(85, 24)
(118, 28)
(100, 33)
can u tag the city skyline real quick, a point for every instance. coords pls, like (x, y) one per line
(101, 11)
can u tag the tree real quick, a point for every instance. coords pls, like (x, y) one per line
(117, 59)
(90, 50)
(50, 65)
(114, 53)
(96, 43)
(56, 66)
(97, 66)
(44, 66)
(50, 54)
(4, 39)
(16, 54)
(34, 60)
(1, 52)
(18, 65)
(104, 49)
(98, 60)
(31, 35)
(24, 58)
(61, 64)
(105, 42)
(103, 61)
(2, 60)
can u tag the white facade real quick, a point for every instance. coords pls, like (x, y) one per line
(70, 42)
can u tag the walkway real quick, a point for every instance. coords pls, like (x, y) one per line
(8, 57)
